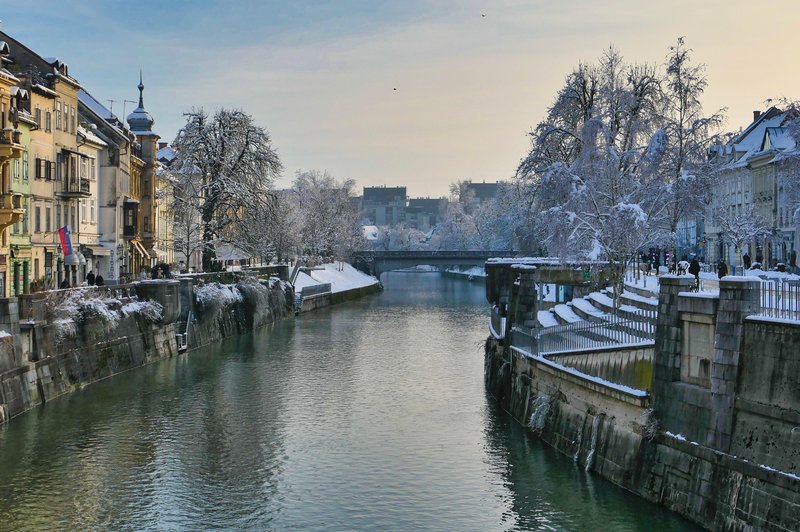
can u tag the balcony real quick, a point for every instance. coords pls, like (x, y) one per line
(10, 143)
(129, 231)
(75, 188)
(11, 209)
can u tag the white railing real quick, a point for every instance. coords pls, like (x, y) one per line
(780, 299)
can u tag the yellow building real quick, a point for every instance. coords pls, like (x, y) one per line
(11, 149)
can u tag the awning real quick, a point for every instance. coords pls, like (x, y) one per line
(75, 259)
(140, 249)
(130, 200)
(157, 253)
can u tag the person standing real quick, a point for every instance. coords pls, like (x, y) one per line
(746, 261)
(694, 268)
(98, 279)
(722, 269)
(90, 278)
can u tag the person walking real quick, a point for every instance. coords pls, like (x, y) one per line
(746, 261)
(722, 269)
(98, 279)
(90, 278)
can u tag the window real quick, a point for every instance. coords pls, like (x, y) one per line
(25, 219)
(84, 168)
(37, 220)
(83, 211)
(38, 117)
(146, 223)
(48, 122)
(58, 115)
(72, 119)
(66, 117)
(25, 165)
(47, 219)
(72, 214)
(58, 214)
(91, 211)
(92, 169)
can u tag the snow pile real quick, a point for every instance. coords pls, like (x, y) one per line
(151, 310)
(214, 294)
(4, 334)
(475, 271)
(66, 309)
(341, 276)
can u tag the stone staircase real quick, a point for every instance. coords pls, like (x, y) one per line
(594, 317)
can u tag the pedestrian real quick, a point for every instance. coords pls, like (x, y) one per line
(143, 274)
(722, 269)
(154, 272)
(90, 278)
(746, 260)
(98, 279)
(64, 284)
(694, 268)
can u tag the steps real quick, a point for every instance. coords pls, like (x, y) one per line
(594, 318)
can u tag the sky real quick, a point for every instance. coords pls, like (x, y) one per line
(405, 92)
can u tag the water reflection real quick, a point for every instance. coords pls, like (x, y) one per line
(368, 416)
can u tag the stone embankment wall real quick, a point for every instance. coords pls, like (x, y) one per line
(66, 339)
(333, 298)
(716, 439)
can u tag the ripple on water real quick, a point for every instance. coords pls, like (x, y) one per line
(372, 416)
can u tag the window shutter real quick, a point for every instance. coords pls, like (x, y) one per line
(38, 168)
(52, 170)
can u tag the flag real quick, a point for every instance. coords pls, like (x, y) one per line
(66, 240)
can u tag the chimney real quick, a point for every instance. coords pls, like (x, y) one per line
(756, 114)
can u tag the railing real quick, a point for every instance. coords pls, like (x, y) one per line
(780, 299)
(73, 185)
(315, 290)
(616, 330)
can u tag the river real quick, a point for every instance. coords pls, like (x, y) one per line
(371, 415)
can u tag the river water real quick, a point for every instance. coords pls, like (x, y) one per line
(371, 415)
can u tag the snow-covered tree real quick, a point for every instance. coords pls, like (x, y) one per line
(598, 194)
(230, 162)
(679, 147)
(329, 214)
(739, 229)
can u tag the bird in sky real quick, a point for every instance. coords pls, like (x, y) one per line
(483, 15)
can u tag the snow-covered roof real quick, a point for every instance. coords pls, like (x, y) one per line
(778, 138)
(763, 134)
(90, 136)
(166, 153)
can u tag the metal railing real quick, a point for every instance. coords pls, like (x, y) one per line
(615, 330)
(780, 299)
(315, 290)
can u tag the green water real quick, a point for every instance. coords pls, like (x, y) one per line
(368, 416)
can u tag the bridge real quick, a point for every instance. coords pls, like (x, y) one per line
(376, 262)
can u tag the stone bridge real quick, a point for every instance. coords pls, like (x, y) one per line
(377, 262)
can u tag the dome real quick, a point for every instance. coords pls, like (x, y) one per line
(140, 120)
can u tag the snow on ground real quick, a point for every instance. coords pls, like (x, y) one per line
(303, 280)
(566, 313)
(346, 279)
(475, 271)
(547, 319)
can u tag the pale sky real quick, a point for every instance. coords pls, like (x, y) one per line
(320, 76)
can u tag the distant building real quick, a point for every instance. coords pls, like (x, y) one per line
(424, 213)
(484, 191)
(384, 205)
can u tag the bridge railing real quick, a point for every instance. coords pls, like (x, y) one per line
(437, 254)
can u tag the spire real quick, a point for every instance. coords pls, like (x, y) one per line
(141, 90)
(140, 120)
